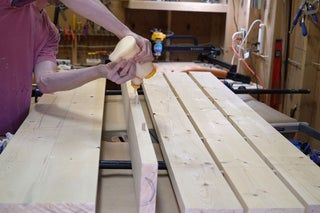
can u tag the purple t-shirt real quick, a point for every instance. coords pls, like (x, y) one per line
(27, 37)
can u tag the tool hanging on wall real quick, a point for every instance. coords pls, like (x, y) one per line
(158, 39)
(59, 10)
(306, 9)
(276, 74)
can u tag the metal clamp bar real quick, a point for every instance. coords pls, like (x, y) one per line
(122, 164)
(309, 131)
(271, 91)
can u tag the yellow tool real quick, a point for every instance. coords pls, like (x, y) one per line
(158, 36)
(127, 48)
(157, 39)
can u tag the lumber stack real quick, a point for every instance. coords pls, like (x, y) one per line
(221, 155)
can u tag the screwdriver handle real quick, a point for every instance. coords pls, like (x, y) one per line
(303, 27)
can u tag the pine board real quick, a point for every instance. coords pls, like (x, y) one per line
(143, 157)
(197, 181)
(52, 162)
(257, 187)
(295, 169)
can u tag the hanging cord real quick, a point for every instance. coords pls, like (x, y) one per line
(239, 43)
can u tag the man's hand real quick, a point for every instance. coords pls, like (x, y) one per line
(145, 55)
(49, 80)
(119, 72)
(95, 11)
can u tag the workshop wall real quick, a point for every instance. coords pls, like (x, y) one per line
(209, 28)
(303, 59)
(303, 72)
(240, 16)
(82, 39)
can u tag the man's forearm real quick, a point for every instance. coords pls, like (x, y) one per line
(98, 13)
(49, 81)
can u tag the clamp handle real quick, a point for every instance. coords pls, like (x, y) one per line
(303, 26)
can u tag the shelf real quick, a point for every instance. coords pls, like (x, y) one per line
(179, 6)
(90, 46)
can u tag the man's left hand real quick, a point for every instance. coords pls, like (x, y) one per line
(145, 55)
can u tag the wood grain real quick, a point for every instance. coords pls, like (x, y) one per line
(295, 169)
(259, 189)
(143, 157)
(51, 165)
(197, 181)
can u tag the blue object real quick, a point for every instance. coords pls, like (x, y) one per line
(303, 147)
(303, 27)
(158, 48)
(3, 144)
(315, 156)
(314, 16)
(297, 17)
(315, 19)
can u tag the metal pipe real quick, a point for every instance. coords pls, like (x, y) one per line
(271, 91)
(309, 131)
(119, 92)
(122, 164)
(286, 65)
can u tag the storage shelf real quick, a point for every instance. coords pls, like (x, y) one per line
(179, 6)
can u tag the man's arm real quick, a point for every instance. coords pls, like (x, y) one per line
(49, 80)
(98, 13)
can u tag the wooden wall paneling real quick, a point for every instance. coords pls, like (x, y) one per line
(143, 157)
(197, 181)
(294, 168)
(237, 15)
(244, 16)
(308, 103)
(316, 143)
(255, 184)
(218, 29)
(295, 75)
(52, 163)
(281, 32)
(142, 21)
(78, 49)
(189, 23)
(269, 16)
(302, 73)
(117, 7)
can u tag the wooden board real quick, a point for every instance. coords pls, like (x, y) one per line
(197, 181)
(255, 184)
(143, 157)
(114, 118)
(295, 169)
(51, 165)
(116, 192)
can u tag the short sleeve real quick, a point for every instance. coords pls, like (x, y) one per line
(5, 4)
(50, 49)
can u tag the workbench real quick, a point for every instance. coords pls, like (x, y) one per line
(221, 156)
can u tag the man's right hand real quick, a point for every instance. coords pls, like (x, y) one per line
(118, 72)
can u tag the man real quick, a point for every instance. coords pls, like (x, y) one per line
(29, 43)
